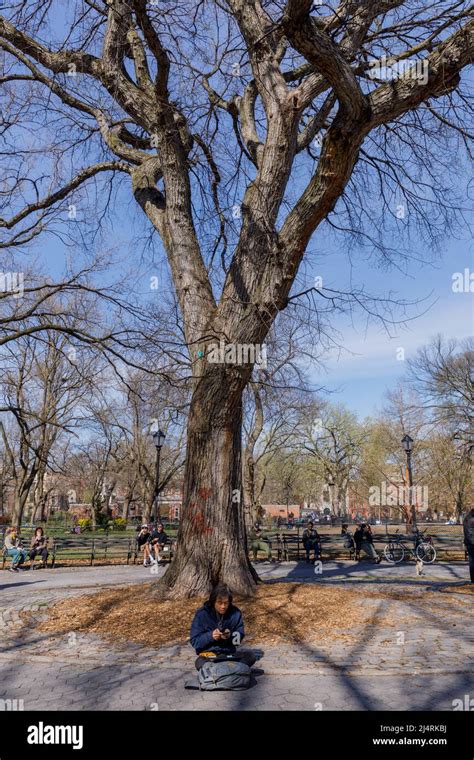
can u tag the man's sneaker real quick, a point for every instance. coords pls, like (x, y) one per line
(13, 569)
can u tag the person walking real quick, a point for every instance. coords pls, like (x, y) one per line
(468, 529)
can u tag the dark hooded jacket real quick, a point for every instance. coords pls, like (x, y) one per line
(206, 620)
(468, 526)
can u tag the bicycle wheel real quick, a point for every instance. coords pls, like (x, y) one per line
(394, 552)
(426, 552)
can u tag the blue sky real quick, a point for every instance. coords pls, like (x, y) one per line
(368, 363)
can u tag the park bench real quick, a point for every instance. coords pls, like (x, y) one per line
(106, 549)
(95, 550)
(167, 553)
(449, 545)
(290, 546)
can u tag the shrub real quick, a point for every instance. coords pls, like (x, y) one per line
(84, 523)
(119, 524)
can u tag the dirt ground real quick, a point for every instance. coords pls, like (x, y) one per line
(280, 612)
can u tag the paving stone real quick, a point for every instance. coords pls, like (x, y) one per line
(46, 673)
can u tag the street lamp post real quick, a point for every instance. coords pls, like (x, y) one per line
(331, 485)
(407, 444)
(158, 440)
(287, 495)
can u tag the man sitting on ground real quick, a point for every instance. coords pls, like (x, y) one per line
(311, 541)
(218, 628)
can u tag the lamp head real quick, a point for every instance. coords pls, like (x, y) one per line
(158, 438)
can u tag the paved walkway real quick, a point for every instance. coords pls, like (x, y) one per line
(422, 666)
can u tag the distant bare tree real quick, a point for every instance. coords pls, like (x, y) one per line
(40, 394)
(443, 375)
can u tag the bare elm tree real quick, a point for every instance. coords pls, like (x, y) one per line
(239, 127)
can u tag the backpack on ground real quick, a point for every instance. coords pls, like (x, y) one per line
(230, 675)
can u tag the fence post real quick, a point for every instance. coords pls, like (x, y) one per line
(92, 551)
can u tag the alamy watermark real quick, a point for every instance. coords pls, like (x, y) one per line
(12, 282)
(463, 282)
(237, 353)
(387, 495)
(385, 68)
(466, 703)
(46, 734)
(11, 705)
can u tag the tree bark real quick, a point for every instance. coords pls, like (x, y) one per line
(250, 507)
(408, 519)
(147, 510)
(212, 541)
(21, 497)
(126, 506)
(39, 498)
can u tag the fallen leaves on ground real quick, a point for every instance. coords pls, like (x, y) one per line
(280, 612)
(466, 588)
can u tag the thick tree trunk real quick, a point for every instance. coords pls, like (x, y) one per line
(39, 498)
(21, 498)
(459, 506)
(147, 511)
(248, 486)
(212, 541)
(40, 510)
(126, 507)
(407, 514)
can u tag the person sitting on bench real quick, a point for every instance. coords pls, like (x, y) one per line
(158, 539)
(14, 550)
(259, 542)
(348, 539)
(39, 545)
(311, 541)
(364, 541)
(218, 628)
(143, 544)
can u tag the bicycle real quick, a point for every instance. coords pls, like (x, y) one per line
(423, 550)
